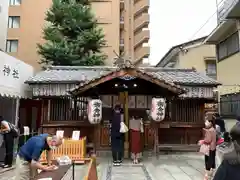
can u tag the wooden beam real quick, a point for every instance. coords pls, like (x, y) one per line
(101, 80)
(131, 72)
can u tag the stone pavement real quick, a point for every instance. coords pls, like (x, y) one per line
(176, 167)
(188, 166)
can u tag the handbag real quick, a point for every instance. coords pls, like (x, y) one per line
(123, 128)
(141, 126)
(14, 130)
(204, 149)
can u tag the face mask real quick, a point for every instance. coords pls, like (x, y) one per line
(53, 147)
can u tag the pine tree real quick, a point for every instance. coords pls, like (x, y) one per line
(72, 35)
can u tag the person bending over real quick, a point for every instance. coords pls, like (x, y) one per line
(29, 154)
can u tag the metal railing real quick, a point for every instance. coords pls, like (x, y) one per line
(224, 7)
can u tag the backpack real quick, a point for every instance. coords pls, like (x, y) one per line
(13, 130)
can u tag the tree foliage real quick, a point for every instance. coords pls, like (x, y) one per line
(72, 35)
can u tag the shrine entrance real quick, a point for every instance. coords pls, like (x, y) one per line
(135, 91)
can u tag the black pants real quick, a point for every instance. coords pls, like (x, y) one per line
(210, 160)
(9, 143)
(117, 148)
(117, 156)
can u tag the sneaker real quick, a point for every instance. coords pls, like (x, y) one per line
(7, 166)
(114, 163)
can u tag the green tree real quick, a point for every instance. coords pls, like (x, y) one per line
(72, 35)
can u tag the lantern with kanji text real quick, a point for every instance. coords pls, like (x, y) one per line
(95, 111)
(158, 109)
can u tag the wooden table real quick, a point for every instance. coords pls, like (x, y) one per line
(56, 174)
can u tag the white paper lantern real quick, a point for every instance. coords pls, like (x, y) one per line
(158, 109)
(95, 111)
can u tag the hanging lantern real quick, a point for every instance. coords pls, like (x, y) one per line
(158, 109)
(95, 111)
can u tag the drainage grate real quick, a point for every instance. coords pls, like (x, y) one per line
(142, 166)
(109, 173)
(146, 173)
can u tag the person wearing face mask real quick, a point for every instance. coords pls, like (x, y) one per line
(29, 154)
(210, 140)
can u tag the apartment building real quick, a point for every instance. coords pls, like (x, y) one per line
(226, 38)
(192, 54)
(3, 23)
(125, 24)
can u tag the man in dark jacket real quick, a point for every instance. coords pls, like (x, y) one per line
(116, 136)
(220, 122)
(230, 166)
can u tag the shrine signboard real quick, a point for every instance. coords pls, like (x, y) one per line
(13, 74)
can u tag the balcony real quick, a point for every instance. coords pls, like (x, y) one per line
(122, 22)
(229, 9)
(141, 21)
(14, 11)
(121, 4)
(140, 6)
(13, 33)
(140, 53)
(141, 37)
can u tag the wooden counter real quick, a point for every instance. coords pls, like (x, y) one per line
(56, 174)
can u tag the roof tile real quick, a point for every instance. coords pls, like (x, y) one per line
(80, 74)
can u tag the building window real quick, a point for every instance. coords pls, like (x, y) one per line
(12, 46)
(230, 105)
(13, 21)
(211, 68)
(14, 2)
(228, 47)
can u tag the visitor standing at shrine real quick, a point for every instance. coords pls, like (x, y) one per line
(116, 135)
(210, 143)
(5, 129)
(136, 128)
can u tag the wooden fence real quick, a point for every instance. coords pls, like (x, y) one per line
(74, 149)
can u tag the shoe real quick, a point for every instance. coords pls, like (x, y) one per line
(114, 163)
(7, 166)
(118, 163)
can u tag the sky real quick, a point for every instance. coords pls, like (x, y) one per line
(174, 22)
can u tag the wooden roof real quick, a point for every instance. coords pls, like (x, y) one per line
(128, 71)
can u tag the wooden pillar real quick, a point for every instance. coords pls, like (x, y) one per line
(156, 138)
(126, 118)
(49, 109)
(123, 97)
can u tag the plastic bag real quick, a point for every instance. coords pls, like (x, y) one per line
(123, 128)
(64, 160)
(204, 149)
(141, 126)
